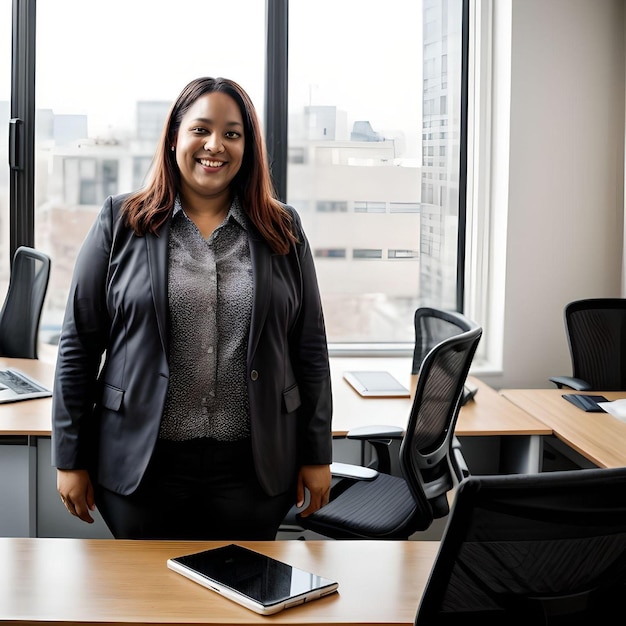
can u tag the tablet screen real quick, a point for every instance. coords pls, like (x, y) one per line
(269, 585)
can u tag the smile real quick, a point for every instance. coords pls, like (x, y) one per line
(207, 163)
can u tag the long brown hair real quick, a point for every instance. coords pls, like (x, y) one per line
(149, 208)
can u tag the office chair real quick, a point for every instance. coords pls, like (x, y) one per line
(23, 304)
(432, 325)
(596, 333)
(394, 507)
(541, 549)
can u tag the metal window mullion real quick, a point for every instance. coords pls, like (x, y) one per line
(461, 244)
(276, 96)
(22, 127)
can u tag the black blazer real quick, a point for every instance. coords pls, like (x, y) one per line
(109, 411)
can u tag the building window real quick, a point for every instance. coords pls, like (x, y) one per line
(403, 254)
(367, 253)
(330, 206)
(370, 207)
(330, 253)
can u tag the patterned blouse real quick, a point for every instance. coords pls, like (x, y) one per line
(210, 304)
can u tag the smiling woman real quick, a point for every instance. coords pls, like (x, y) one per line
(211, 414)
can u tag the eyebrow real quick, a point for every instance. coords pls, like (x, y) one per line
(206, 120)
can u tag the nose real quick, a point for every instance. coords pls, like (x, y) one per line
(213, 144)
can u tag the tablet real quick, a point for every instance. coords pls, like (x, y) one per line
(376, 383)
(258, 582)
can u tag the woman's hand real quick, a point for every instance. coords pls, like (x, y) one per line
(76, 491)
(316, 479)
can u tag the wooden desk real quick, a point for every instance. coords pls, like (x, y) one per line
(599, 437)
(31, 417)
(497, 436)
(90, 581)
(508, 438)
(487, 414)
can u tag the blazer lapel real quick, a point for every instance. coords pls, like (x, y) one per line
(260, 255)
(157, 262)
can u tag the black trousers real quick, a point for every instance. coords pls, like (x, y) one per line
(196, 490)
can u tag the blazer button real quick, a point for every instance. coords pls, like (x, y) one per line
(254, 374)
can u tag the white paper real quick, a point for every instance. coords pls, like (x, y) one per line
(617, 408)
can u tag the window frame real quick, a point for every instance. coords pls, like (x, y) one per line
(22, 133)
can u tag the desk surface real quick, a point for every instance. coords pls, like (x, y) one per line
(599, 437)
(487, 414)
(28, 417)
(91, 581)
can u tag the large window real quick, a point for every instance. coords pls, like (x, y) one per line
(374, 145)
(374, 135)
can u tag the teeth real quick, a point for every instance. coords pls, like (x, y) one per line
(211, 163)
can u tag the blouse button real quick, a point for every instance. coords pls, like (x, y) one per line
(254, 374)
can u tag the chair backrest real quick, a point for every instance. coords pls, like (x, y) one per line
(433, 325)
(21, 312)
(426, 458)
(596, 332)
(535, 549)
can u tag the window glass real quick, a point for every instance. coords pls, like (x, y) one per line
(106, 76)
(5, 116)
(374, 113)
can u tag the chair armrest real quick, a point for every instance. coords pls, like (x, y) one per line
(572, 383)
(462, 470)
(381, 438)
(365, 433)
(347, 470)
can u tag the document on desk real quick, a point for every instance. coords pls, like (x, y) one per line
(16, 386)
(617, 408)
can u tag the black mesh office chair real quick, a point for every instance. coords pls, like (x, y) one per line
(394, 507)
(540, 549)
(596, 333)
(432, 325)
(21, 312)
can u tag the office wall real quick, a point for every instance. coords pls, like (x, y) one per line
(558, 180)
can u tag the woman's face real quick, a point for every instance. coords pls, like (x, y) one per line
(209, 146)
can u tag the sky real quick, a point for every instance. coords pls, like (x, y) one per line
(99, 58)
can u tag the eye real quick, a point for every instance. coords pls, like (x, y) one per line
(198, 130)
(231, 134)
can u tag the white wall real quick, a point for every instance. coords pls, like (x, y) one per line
(563, 158)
